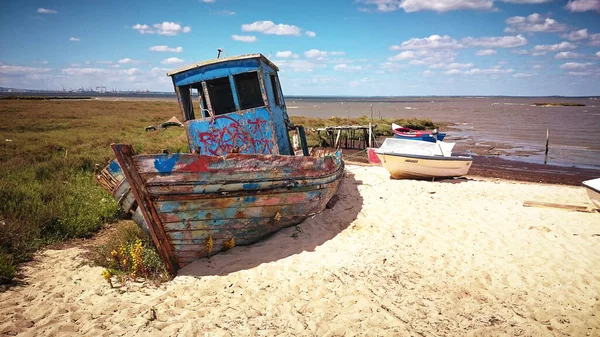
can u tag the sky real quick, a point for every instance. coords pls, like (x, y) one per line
(323, 48)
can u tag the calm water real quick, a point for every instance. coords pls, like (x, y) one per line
(511, 127)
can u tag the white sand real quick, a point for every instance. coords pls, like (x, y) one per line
(392, 258)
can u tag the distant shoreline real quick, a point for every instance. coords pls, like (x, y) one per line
(171, 95)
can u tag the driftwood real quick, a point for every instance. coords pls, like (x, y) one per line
(575, 208)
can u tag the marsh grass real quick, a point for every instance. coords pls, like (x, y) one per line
(48, 153)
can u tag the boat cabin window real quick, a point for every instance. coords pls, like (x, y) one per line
(202, 103)
(248, 90)
(275, 87)
(221, 96)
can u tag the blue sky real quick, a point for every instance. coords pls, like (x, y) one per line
(362, 47)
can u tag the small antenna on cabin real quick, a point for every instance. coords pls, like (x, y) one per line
(219, 54)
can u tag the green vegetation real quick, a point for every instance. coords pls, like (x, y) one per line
(49, 151)
(128, 254)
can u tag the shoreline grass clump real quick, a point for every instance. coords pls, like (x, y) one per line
(129, 255)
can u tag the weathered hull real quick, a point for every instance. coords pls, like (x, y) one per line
(414, 166)
(593, 190)
(188, 200)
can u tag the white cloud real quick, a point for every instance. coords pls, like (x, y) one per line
(595, 40)
(579, 73)
(432, 42)
(583, 5)
(485, 52)
(575, 65)
(345, 67)
(428, 5)
(75, 39)
(46, 11)
(286, 54)
(598, 54)
(75, 65)
(104, 62)
(534, 23)
(488, 71)
(299, 65)
(208, 1)
(495, 42)
(163, 48)
(428, 73)
(451, 65)
(310, 33)
(170, 28)
(244, 38)
(165, 28)
(445, 5)
(452, 72)
(19, 70)
(392, 66)
(172, 60)
(577, 35)
(143, 29)
(523, 75)
(321, 54)
(526, 1)
(403, 56)
(567, 55)
(544, 48)
(537, 66)
(127, 60)
(269, 27)
(44, 62)
(433, 57)
(226, 12)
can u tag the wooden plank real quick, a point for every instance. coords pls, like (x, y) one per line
(124, 155)
(235, 163)
(199, 226)
(242, 213)
(567, 207)
(277, 199)
(198, 187)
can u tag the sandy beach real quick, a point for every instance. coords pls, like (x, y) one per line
(391, 258)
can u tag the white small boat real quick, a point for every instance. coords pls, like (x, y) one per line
(593, 190)
(409, 159)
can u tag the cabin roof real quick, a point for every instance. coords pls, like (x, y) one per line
(222, 60)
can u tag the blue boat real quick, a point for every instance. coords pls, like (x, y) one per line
(241, 180)
(402, 132)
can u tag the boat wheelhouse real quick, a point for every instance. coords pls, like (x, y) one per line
(242, 101)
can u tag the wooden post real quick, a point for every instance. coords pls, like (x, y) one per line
(547, 140)
(370, 132)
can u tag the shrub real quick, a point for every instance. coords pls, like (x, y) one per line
(128, 254)
(7, 268)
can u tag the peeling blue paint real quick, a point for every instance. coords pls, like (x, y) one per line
(165, 164)
(251, 186)
(114, 167)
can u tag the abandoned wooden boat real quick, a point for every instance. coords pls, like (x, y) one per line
(241, 182)
(403, 132)
(409, 159)
(593, 190)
